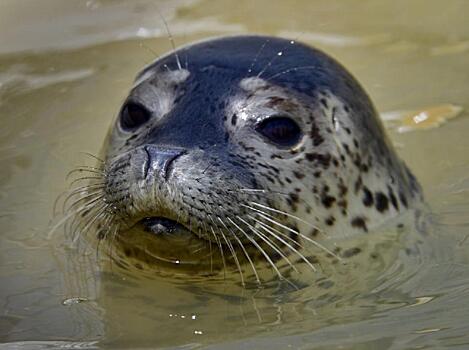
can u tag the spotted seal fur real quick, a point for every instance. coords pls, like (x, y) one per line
(250, 141)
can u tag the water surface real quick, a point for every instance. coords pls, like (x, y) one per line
(65, 67)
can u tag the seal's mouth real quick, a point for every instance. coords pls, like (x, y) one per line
(164, 242)
(162, 226)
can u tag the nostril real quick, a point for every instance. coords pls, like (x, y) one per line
(159, 160)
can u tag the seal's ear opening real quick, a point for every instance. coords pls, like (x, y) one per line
(132, 116)
(282, 131)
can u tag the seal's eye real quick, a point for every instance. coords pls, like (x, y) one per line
(281, 131)
(133, 115)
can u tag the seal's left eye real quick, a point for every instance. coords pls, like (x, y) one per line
(281, 131)
(133, 115)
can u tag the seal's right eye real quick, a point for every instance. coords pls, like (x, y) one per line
(133, 115)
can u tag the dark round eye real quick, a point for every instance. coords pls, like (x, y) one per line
(281, 131)
(133, 115)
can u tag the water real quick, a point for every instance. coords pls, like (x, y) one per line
(65, 68)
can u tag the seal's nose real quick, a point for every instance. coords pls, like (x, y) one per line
(159, 160)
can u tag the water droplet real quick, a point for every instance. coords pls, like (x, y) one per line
(193, 317)
(280, 53)
(198, 332)
(292, 42)
(73, 301)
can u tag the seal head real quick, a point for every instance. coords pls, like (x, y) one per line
(252, 140)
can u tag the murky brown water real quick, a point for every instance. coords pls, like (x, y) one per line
(65, 67)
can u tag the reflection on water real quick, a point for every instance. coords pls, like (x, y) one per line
(56, 104)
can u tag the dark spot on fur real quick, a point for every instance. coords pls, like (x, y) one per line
(314, 232)
(322, 159)
(358, 184)
(298, 175)
(327, 200)
(317, 174)
(342, 189)
(324, 103)
(274, 156)
(315, 135)
(367, 197)
(381, 202)
(359, 222)
(393, 198)
(403, 199)
(330, 221)
(294, 197)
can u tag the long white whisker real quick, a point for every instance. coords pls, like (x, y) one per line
(171, 40)
(246, 254)
(293, 249)
(221, 251)
(90, 223)
(91, 195)
(294, 69)
(269, 218)
(269, 242)
(233, 253)
(267, 257)
(283, 213)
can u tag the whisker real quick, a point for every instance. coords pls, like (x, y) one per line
(89, 223)
(149, 49)
(254, 270)
(111, 245)
(93, 156)
(267, 257)
(80, 191)
(93, 201)
(171, 40)
(255, 192)
(210, 246)
(263, 252)
(269, 242)
(84, 170)
(294, 69)
(293, 249)
(106, 222)
(221, 251)
(233, 253)
(85, 178)
(84, 198)
(284, 213)
(279, 54)
(269, 218)
(257, 56)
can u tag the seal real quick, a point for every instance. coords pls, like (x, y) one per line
(252, 143)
